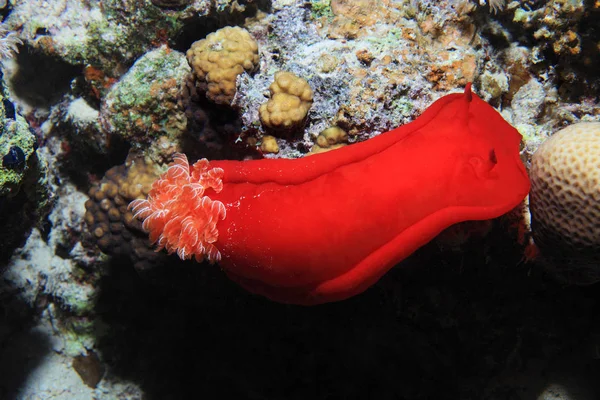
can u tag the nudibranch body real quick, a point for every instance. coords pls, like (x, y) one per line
(326, 227)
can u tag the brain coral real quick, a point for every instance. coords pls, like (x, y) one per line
(291, 98)
(565, 193)
(218, 59)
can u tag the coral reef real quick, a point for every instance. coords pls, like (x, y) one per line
(97, 33)
(563, 36)
(46, 270)
(371, 68)
(90, 81)
(57, 278)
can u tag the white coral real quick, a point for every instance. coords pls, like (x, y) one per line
(495, 5)
(9, 43)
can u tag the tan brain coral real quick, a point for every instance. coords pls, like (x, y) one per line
(291, 98)
(565, 193)
(218, 59)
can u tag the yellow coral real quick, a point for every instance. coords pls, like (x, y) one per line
(291, 98)
(269, 144)
(330, 139)
(218, 59)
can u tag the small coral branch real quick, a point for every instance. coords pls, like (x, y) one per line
(495, 5)
(9, 43)
(178, 215)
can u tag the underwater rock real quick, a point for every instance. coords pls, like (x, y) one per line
(145, 107)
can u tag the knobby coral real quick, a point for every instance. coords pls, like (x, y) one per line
(218, 59)
(291, 98)
(111, 225)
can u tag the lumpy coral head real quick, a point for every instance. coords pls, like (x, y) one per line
(326, 227)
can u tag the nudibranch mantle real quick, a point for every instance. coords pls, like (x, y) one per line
(326, 227)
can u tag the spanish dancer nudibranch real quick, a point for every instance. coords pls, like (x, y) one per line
(327, 227)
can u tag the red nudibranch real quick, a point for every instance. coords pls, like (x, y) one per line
(326, 227)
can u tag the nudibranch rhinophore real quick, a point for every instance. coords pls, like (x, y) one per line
(326, 227)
